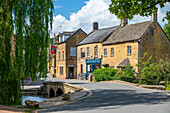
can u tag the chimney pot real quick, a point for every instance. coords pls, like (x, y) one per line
(95, 26)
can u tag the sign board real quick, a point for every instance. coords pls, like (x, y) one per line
(93, 61)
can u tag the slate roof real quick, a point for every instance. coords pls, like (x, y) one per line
(128, 33)
(124, 63)
(67, 33)
(97, 35)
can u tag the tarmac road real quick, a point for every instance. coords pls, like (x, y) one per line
(114, 98)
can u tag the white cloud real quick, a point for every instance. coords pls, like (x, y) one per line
(96, 11)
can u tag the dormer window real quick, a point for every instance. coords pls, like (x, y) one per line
(151, 31)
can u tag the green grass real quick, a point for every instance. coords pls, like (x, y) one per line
(168, 87)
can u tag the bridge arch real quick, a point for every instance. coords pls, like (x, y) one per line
(59, 92)
(52, 93)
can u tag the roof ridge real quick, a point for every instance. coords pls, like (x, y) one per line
(140, 22)
(108, 28)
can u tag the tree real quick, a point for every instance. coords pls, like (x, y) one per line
(149, 73)
(164, 70)
(167, 29)
(28, 21)
(129, 8)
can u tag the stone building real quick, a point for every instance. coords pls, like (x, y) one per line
(130, 41)
(121, 45)
(66, 53)
(90, 50)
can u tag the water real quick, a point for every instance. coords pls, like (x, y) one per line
(32, 98)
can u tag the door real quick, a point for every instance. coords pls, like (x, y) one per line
(71, 72)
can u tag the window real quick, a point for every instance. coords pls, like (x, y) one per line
(128, 50)
(105, 52)
(81, 68)
(95, 51)
(73, 51)
(151, 31)
(61, 70)
(82, 53)
(63, 55)
(88, 52)
(81, 50)
(59, 55)
(112, 51)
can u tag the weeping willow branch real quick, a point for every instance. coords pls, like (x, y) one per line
(29, 20)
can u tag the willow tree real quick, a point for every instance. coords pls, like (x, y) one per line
(29, 21)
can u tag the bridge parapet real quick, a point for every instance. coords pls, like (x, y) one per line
(53, 89)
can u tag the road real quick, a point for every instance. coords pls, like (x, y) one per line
(114, 98)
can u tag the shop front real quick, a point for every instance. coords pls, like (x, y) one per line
(91, 65)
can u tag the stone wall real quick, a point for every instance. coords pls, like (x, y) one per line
(120, 53)
(61, 62)
(72, 42)
(65, 87)
(157, 45)
(91, 55)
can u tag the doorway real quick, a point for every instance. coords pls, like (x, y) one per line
(71, 72)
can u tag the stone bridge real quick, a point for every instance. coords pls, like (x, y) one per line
(54, 89)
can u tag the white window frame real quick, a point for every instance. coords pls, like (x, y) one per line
(129, 50)
(95, 51)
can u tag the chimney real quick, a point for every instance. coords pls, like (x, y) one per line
(123, 22)
(154, 16)
(95, 26)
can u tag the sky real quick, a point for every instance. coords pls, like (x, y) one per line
(71, 15)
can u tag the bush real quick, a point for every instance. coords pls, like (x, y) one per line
(168, 87)
(104, 74)
(126, 75)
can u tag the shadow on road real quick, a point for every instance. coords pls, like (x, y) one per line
(112, 99)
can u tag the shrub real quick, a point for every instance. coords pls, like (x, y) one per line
(104, 74)
(149, 73)
(164, 70)
(129, 71)
(168, 87)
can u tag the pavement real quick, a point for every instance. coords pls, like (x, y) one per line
(114, 98)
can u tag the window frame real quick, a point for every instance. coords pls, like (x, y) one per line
(59, 55)
(95, 51)
(88, 55)
(151, 31)
(61, 67)
(129, 48)
(104, 52)
(111, 52)
(63, 55)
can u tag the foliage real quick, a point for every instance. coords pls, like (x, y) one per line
(167, 29)
(128, 74)
(129, 8)
(168, 87)
(29, 20)
(129, 71)
(104, 74)
(164, 70)
(149, 74)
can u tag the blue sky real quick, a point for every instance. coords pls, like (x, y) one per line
(75, 14)
(66, 7)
